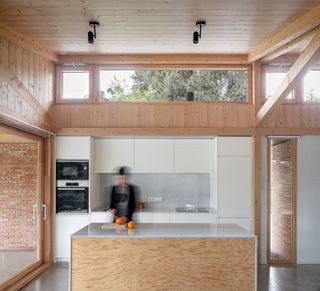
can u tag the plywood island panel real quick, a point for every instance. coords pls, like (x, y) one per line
(163, 263)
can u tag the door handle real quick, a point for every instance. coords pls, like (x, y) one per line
(44, 207)
(33, 211)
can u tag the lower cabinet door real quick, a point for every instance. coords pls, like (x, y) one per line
(66, 225)
(242, 222)
(151, 217)
(193, 218)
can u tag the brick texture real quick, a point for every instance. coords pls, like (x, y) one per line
(18, 194)
(281, 201)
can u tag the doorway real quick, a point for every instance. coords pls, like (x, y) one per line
(23, 211)
(281, 242)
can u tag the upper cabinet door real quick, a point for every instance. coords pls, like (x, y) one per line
(234, 186)
(110, 154)
(153, 155)
(194, 155)
(235, 146)
(73, 147)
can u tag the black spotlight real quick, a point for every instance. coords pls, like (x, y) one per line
(196, 34)
(92, 35)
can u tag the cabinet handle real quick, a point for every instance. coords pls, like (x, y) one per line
(44, 207)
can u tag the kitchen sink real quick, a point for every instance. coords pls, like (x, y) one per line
(192, 209)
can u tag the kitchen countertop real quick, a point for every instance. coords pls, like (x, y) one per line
(158, 210)
(166, 230)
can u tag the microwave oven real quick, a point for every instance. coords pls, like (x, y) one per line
(72, 170)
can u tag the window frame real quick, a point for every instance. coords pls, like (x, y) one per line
(60, 69)
(314, 68)
(247, 68)
(267, 68)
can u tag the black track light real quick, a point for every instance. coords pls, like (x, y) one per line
(92, 35)
(196, 34)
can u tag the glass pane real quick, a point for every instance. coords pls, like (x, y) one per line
(311, 86)
(281, 213)
(174, 85)
(273, 81)
(75, 85)
(19, 204)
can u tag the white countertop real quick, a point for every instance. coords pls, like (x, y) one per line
(167, 230)
(158, 210)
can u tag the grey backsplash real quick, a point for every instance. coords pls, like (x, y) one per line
(176, 189)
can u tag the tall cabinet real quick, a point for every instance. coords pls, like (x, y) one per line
(70, 148)
(234, 180)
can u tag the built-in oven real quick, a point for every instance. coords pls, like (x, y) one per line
(72, 170)
(72, 196)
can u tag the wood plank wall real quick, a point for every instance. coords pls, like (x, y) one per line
(26, 85)
(153, 115)
(233, 116)
(298, 115)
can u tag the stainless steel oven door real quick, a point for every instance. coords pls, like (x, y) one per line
(72, 200)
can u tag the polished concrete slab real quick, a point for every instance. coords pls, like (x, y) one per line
(12, 262)
(55, 278)
(299, 278)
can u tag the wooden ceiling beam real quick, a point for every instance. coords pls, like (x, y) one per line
(294, 30)
(296, 43)
(16, 37)
(308, 57)
(154, 59)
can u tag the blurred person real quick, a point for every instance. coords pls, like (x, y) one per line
(123, 200)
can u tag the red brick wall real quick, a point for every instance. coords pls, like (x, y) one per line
(18, 194)
(281, 200)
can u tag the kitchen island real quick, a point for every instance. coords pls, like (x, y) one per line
(163, 257)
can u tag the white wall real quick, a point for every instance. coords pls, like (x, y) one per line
(308, 200)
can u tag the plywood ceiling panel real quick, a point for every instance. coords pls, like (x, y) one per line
(133, 26)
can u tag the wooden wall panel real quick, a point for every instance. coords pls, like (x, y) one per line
(25, 85)
(173, 264)
(297, 116)
(153, 115)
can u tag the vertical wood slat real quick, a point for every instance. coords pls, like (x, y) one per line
(24, 65)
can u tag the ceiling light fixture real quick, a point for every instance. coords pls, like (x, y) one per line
(92, 35)
(196, 34)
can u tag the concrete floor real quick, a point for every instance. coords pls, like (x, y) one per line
(12, 262)
(300, 278)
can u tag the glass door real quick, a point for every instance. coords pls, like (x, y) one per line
(21, 214)
(281, 201)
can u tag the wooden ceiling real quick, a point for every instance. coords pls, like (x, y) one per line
(146, 26)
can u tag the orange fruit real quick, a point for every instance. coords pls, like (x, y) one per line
(118, 221)
(131, 225)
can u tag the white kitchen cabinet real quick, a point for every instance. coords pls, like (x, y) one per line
(109, 154)
(235, 146)
(66, 225)
(101, 217)
(242, 222)
(151, 217)
(234, 187)
(193, 218)
(194, 155)
(73, 147)
(154, 155)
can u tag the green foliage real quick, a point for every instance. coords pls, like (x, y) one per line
(173, 85)
(311, 97)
